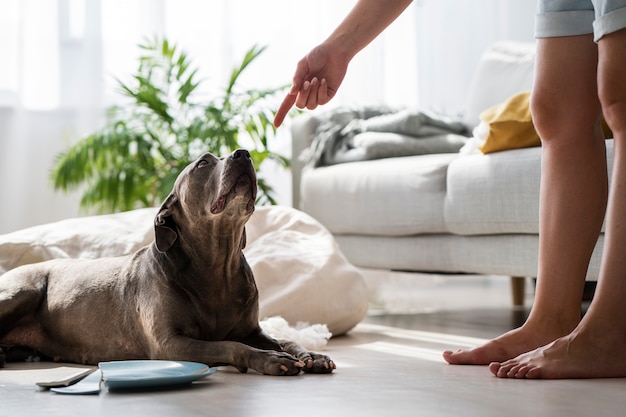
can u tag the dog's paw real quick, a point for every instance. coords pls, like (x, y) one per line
(314, 363)
(3, 358)
(281, 364)
(318, 364)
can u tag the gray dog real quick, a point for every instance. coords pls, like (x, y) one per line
(190, 295)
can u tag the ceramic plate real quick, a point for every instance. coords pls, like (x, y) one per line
(151, 373)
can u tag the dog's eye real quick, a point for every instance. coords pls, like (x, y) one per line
(201, 163)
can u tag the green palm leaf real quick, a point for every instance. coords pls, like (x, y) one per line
(162, 126)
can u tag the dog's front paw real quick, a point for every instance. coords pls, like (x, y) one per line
(318, 364)
(280, 363)
(314, 363)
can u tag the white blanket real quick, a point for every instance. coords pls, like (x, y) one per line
(301, 274)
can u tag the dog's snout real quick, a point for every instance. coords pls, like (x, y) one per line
(240, 153)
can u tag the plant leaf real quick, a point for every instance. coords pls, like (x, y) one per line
(135, 158)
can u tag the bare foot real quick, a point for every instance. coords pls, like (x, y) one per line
(509, 345)
(581, 354)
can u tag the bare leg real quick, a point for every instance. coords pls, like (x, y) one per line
(597, 346)
(566, 112)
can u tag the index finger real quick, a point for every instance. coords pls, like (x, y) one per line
(284, 108)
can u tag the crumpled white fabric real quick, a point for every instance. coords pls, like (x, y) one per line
(312, 337)
(301, 274)
(478, 139)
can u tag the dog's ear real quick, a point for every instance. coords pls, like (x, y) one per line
(165, 230)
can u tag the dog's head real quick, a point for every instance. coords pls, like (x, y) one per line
(211, 195)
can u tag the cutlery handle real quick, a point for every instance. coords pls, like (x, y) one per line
(67, 381)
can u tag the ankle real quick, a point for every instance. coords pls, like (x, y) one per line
(554, 324)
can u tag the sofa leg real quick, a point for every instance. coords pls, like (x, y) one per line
(518, 290)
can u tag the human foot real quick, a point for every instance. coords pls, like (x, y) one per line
(581, 354)
(507, 346)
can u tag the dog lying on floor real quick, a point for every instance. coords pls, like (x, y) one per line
(188, 296)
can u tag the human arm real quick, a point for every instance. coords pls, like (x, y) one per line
(320, 73)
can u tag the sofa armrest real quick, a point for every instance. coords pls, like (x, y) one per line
(302, 131)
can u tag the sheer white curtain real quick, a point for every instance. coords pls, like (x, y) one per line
(60, 58)
(453, 34)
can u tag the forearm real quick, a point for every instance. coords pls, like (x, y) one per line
(365, 22)
(320, 73)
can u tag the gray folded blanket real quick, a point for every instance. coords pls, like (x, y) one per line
(350, 135)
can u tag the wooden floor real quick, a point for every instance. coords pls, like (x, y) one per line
(389, 365)
(481, 323)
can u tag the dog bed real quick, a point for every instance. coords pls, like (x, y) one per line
(301, 274)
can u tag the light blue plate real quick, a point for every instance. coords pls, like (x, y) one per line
(151, 373)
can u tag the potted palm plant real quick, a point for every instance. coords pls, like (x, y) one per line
(163, 125)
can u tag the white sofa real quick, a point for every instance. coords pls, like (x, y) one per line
(454, 212)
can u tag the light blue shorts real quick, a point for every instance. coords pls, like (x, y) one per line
(579, 17)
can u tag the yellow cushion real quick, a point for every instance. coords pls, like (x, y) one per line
(510, 125)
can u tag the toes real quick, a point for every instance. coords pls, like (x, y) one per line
(448, 355)
(319, 364)
(507, 371)
(286, 368)
(502, 370)
(533, 373)
(307, 358)
(514, 370)
(511, 369)
(464, 357)
(281, 363)
(452, 357)
(522, 372)
(494, 367)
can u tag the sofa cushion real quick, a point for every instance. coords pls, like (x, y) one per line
(393, 196)
(506, 68)
(497, 193)
(494, 193)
